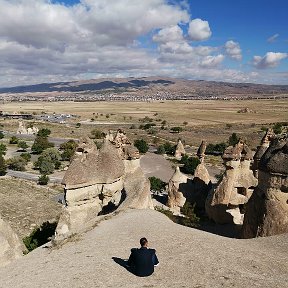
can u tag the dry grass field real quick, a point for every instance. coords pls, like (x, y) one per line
(210, 119)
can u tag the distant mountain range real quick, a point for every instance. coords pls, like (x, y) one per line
(152, 87)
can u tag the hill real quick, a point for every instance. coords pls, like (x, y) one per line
(144, 88)
(188, 258)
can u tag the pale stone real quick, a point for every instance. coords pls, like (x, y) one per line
(11, 246)
(180, 150)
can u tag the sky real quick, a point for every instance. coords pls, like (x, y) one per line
(67, 40)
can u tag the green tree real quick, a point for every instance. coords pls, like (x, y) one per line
(22, 145)
(156, 184)
(233, 139)
(40, 144)
(141, 145)
(46, 166)
(190, 164)
(1, 135)
(3, 149)
(3, 166)
(44, 132)
(48, 161)
(13, 140)
(68, 149)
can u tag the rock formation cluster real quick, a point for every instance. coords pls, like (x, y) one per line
(98, 181)
(225, 203)
(181, 188)
(27, 131)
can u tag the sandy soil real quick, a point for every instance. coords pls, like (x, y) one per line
(188, 258)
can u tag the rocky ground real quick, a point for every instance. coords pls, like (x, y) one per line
(26, 205)
(188, 258)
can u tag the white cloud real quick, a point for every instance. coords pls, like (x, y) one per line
(199, 30)
(233, 50)
(169, 34)
(273, 38)
(270, 60)
(212, 61)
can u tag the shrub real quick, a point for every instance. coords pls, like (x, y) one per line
(160, 150)
(43, 180)
(156, 184)
(3, 166)
(176, 129)
(97, 134)
(141, 145)
(3, 149)
(13, 140)
(277, 128)
(40, 236)
(22, 145)
(1, 135)
(16, 163)
(78, 125)
(26, 156)
(190, 164)
(169, 149)
(216, 149)
(233, 139)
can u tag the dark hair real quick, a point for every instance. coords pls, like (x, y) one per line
(143, 241)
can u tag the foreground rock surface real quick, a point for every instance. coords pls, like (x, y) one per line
(188, 258)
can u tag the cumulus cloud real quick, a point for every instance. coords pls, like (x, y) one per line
(212, 61)
(273, 38)
(270, 60)
(233, 50)
(169, 34)
(199, 30)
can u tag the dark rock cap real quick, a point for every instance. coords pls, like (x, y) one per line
(275, 159)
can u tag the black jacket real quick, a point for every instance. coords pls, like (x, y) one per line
(142, 261)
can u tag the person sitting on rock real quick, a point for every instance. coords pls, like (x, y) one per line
(143, 260)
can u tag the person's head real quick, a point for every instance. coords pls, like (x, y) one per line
(143, 242)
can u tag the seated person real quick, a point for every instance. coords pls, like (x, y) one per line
(143, 260)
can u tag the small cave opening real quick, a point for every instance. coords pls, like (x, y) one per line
(111, 207)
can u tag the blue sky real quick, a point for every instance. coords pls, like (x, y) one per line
(233, 41)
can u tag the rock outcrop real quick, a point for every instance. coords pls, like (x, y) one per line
(176, 191)
(267, 210)
(265, 143)
(180, 150)
(27, 131)
(98, 181)
(224, 203)
(11, 247)
(201, 182)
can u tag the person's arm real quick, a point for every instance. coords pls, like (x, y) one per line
(155, 259)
